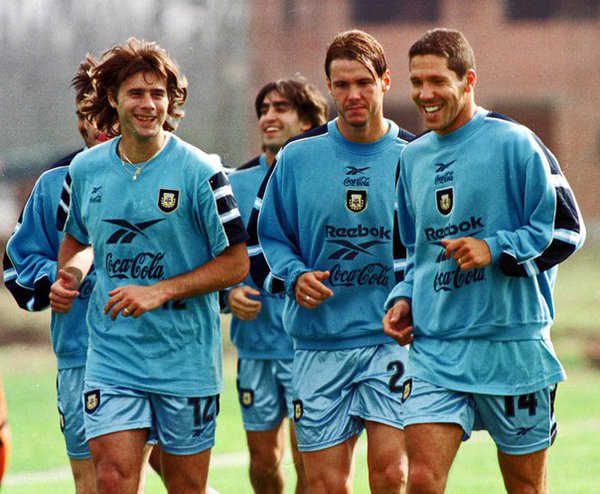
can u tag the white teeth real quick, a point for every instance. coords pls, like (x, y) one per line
(145, 119)
(271, 129)
(431, 109)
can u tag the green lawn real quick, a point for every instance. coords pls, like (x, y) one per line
(39, 464)
(38, 445)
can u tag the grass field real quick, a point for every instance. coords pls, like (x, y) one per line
(39, 463)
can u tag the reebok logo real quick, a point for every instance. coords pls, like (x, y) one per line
(128, 231)
(332, 231)
(353, 170)
(349, 251)
(442, 167)
(466, 226)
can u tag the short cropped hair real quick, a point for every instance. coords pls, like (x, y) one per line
(82, 81)
(360, 46)
(449, 44)
(308, 101)
(124, 60)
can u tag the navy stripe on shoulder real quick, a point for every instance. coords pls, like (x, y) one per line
(500, 116)
(66, 160)
(406, 135)
(249, 164)
(322, 129)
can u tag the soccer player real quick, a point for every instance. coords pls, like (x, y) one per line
(5, 441)
(327, 229)
(29, 270)
(284, 108)
(166, 235)
(486, 215)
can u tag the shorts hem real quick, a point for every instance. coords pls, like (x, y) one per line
(425, 419)
(524, 450)
(101, 431)
(181, 451)
(79, 456)
(330, 443)
(379, 420)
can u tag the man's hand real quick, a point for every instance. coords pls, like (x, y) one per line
(134, 300)
(310, 290)
(397, 323)
(64, 291)
(241, 304)
(469, 252)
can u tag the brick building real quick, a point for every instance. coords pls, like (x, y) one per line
(538, 61)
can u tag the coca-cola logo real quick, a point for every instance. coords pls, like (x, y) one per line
(446, 281)
(357, 182)
(143, 266)
(374, 273)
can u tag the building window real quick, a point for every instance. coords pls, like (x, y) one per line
(386, 11)
(552, 9)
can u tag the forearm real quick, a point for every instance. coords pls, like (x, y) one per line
(75, 257)
(228, 268)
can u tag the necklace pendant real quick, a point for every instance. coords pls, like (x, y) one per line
(136, 173)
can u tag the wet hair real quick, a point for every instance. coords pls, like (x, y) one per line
(121, 62)
(82, 80)
(307, 100)
(447, 43)
(360, 46)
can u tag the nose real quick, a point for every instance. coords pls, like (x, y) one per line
(269, 115)
(354, 92)
(426, 92)
(147, 101)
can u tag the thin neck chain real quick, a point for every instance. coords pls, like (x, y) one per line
(138, 169)
(125, 161)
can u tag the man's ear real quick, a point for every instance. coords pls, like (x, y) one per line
(471, 78)
(305, 125)
(112, 100)
(386, 80)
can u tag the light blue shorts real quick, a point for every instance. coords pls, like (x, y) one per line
(265, 392)
(518, 424)
(182, 425)
(335, 391)
(69, 387)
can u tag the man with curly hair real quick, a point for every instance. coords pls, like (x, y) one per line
(166, 235)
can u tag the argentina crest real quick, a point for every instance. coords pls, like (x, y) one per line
(444, 200)
(356, 200)
(168, 200)
(92, 400)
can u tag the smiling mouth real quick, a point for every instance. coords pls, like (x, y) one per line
(431, 108)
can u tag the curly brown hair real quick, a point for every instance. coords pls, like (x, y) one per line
(122, 61)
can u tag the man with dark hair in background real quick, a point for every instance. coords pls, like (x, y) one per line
(284, 108)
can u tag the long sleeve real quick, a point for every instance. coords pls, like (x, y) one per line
(276, 224)
(30, 258)
(553, 227)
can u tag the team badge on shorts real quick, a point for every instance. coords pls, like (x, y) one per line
(92, 400)
(406, 390)
(298, 410)
(61, 420)
(168, 200)
(356, 200)
(444, 200)
(246, 397)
